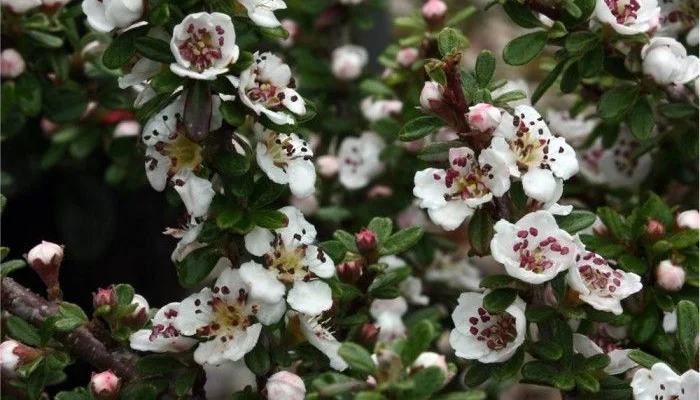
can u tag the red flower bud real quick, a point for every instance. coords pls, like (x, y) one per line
(104, 297)
(366, 241)
(368, 333)
(655, 229)
(350, 271)
(46, 258)
(13, 355)
(104, 385)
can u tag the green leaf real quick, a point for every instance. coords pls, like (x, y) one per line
(434, 152)
(498, 300)
(507, 97)
(258, 359)
(275, 33)
(644, 359)
(166, 81)
(587, 382)
(417, 342)
(265, 192)
(480, 232)
(547, 81)
(678, 110)
(641, 119)
(571, 78)
(233, 113)
(71, 317)
(496, 281)
(346, 238)
(125, 294)
(376, 88)
(592, 62)
(643, 326)
(185, 382)
(614, 222)
(154, 49)
(683, 239)
(485, 67)
(509, 368)
(157, 364)
(419, 128)
(335, 249)
(581, 42)
(10, 266)
(576, 221)
(630, 263)
(547, 350)
(521, 14)
(596, 362)
(477, 374)
(28, 93)
(228, 218)
(461, 16)
(198, 110)
(539, 313)
(71, 107)
(540, 372)
(24, 332)
(687, 317)
(230, 163)
(385, 286)
(616, 102)
(382, 226)
(357, 357)
(197, 266)
(271, 219)
(44, 39)
(122, 48)
(451, 40)
(427, 381)
(524, 49)
(401, 240)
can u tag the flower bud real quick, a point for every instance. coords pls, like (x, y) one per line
(104, 297)
(285, 386)
(483, 117)
(670, 277)
(431, 95)
(379, 191)
(293, 29)
(127, 129)
(368, 333)
(434, 11)
(13, 355)
(307, 205)
(104, 385)
(366, 241)
(429, 359)
(688, 219)
(46, 258)
(11, 64)
(655, 229)
(48, 126)
(407, 56)
(348, 61)
(114, 116)
(327, 166)
(350, 271)
(140, 315)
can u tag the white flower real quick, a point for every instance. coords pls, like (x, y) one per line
(307, 205)
(106, 15)
(9, 360)
(533, 153)
(533, 249)
(677, 16)
(480, 335)
(348, 61)
(670, 321)
(619, 360)
(483, 117)
(667, 61)
(359, 159)
(285, 385)
(21, 6)
(670, 277)
(163, 337)
(145, 68)
(661, 382)
(455, 271)
(618, 166)
(452, 195)
(431, 95)
(407, 56)
(204, 45)
(322, 338)
(286, 159)
(290, 259)
(689, 219)
(412, 287)
(518, 84)
(429, 359)
(172, 157)
(225, 379)
(262, 11)
(575, 130)
(600, 285)
(628, 17)
(11, 64)
(374, 110)
(388, 318)
(223, 316)
(267, 87)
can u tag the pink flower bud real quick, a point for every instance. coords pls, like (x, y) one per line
(13, 355)
(379, 191)
(431, 95)
(11, 64)
(104, 297)
(348, 61)
(670, 277)
(688, 219)
(104, 385)
(414, 146)
(429, 359)
(307, 205)
(114, 116)
(434, 10)
(327, 166)
(407, 56)
(127, 129)
(285, 386)
(140, 315)
(46, 258)
(368, 333)
(655, 229)
(350, 271)
(366, 241)
(483, 117)
(293, 28)
(48, 126)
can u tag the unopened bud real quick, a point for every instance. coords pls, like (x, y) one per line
(13, 355)
(293, 29)
(688, 219)
(46, 258)
(327, 166)
(11, 64)
(429, 359)
(655, 229)
(431, 95)
(285, 386)
(407, 56)
(483, 117)
(350, 271)
(368, 334)
(104, 385)
(379, 191)
(104, 297)
(366, 241)
(670, 277)
(140, 315)
(434, 12)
